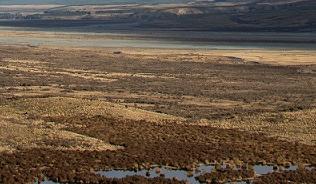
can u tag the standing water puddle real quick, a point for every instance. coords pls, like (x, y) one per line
(166, 172)
(183, 175)
(266, 169)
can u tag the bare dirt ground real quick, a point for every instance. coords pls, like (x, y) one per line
(68, 112)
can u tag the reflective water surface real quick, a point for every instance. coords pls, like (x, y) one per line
(149, 43)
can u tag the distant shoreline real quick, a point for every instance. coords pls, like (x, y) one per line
(185, 36)
(212, 40)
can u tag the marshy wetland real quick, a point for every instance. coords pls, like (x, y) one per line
(84, 115)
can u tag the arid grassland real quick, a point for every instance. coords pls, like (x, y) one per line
(67, 113)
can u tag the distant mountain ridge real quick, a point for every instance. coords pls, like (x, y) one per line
(81, 2)
(85, 2)
(217, 15)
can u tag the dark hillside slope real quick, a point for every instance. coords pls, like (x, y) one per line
(254, 16)
(218, 15)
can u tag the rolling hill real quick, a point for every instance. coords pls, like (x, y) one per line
(217, 15)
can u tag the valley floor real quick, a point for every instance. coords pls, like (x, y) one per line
(66, 113)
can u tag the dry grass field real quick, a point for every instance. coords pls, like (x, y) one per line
(66, 113)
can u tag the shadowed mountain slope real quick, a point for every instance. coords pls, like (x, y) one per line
(218, 15)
